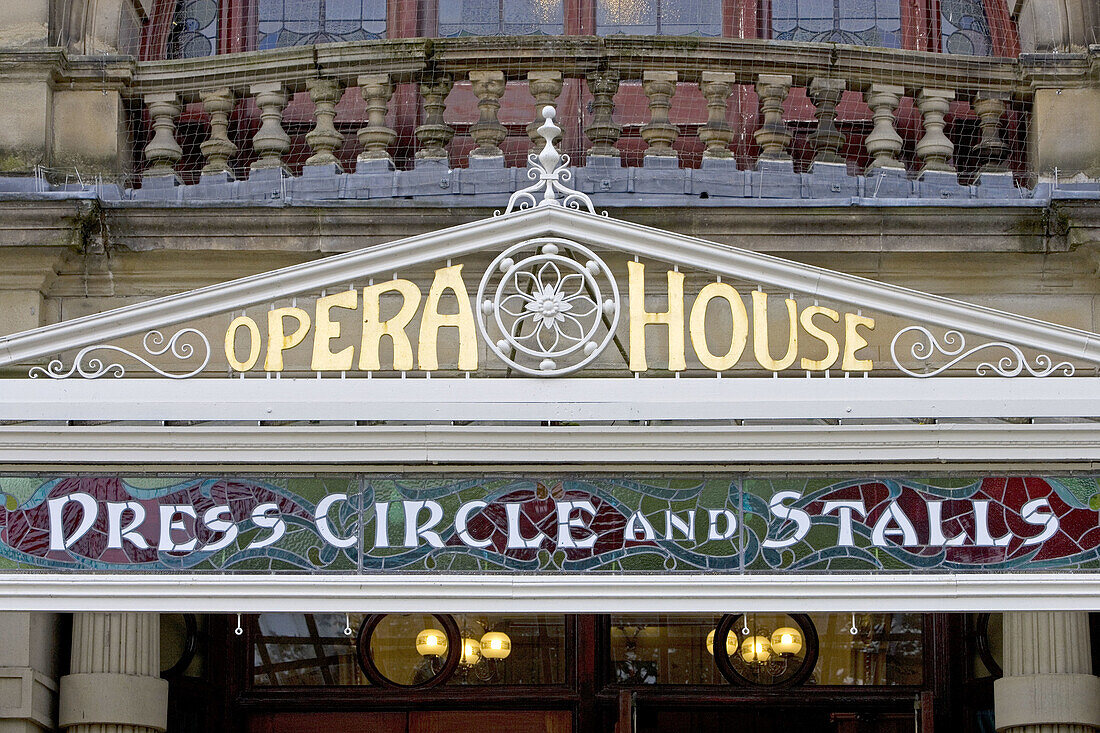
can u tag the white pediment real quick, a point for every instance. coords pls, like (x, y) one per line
(600, 233)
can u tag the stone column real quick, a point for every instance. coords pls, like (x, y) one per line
(115, 684)
(162, 151)
(324, 138)
(717, 134)
(826, 139)
(545, 87)
(884, 142)
(774, 136)
(28, 672)
(602, 131)
(487, 132)
(659, 133)
(435, 133)
(934, 148)
(1048, 685)
(375, 136)
(218, 148)
(992, 150)
(270, 142)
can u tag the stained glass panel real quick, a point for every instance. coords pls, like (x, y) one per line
(964, 28)
(194, 29)
(496, 18)
(303, 22)
(659, 17)
(856, 22)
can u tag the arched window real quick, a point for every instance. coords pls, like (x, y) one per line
(190, 28)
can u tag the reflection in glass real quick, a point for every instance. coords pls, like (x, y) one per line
(194, 29)
(311, 649)
(964, 28)
(659, 17)
(675, 649)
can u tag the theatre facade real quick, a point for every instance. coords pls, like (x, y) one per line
(396, 387)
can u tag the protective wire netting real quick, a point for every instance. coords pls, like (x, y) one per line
(870, 84)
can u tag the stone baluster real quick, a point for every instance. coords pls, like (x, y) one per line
(114, 685)
(324, 138)
(992, 150)
(435, 133)
(716, 133)
(826, 139)
(884, 142)
(270, 142)
(659, 133)
(545, 86)
(218, 148)
(375, 136)
(1048, 685)
(602, 131)
(773, 136)
(487, 132)
(934, 148)
(162, 152)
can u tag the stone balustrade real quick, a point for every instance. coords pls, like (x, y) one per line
(752, 119)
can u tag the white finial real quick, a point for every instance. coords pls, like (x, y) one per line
(551, 170)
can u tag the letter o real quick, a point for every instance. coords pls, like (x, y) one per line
(740, 326)
(253, 344)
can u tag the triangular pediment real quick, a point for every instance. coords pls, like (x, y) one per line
(602, 247)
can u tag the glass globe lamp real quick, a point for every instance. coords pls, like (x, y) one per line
(756, 649)
(731, 643)
(471, 652)
(496, 645)
(786, 640)
(431, 643)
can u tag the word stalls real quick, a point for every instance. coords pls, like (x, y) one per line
(289, 327)
(808, 321)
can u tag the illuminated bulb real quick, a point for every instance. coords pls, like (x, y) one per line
(731, 643)
(471, 652)
(756, 649)
(496, 645)
(787, 640)
(431, 643)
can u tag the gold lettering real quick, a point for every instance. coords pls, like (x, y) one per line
(831, 346)
(698, 326)
(327, 329)
(374, 328)
(448, 278)
(253, 343)
(854, 341)
(760, 333)
(640, 318)
(277, 340)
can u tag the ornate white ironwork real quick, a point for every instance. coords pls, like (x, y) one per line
(154, 344)
(552, 311)
(551, 169)
(954, 348)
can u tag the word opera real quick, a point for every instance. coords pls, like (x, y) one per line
(548, 306)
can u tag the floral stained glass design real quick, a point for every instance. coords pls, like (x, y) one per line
(659, 17)
(496, 18)
(194, 29)
(304, 22)
(855, 22)
(964, 28)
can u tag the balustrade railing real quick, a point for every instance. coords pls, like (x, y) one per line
(652, 103)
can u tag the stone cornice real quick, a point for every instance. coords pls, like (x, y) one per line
(1061, 70)
(59, 68)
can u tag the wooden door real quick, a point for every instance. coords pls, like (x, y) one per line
(496, 721)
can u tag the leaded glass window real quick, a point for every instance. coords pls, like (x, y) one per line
(303, 22)
(659, 17)
(501, 18)
(964, 27)
(856, 22)
(194, 29)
